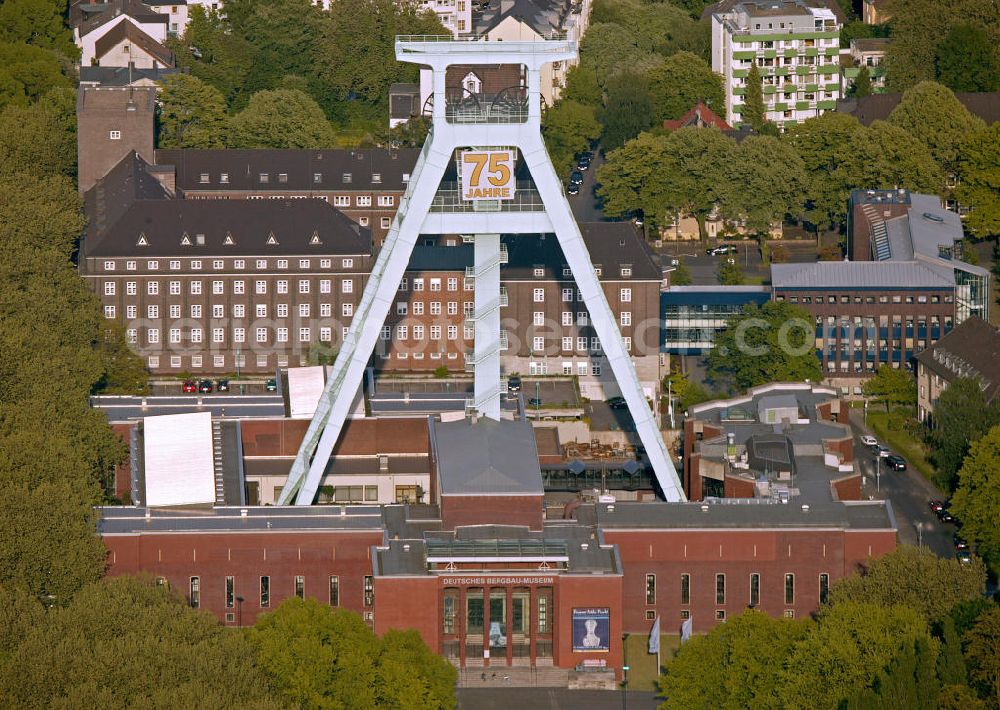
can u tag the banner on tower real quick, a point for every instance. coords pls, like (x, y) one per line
(487, 175)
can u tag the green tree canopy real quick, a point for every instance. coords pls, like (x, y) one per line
(889, 581)
(126, 642)
(930, 113)
(681, 275)
(893, 386)
(730, 273)
(966, 61)
(862, 84)
(823, 144)
(981, 644)
(682, 81)
(213, 52)
(27, 72)
(284, 118)
(768, 343)
(569, 128)
(326, 658)
(977, 499)
(631, 178)
(765, 180)
(884, 156)
(40, 138)
(192, 114)
(628, 109)
(608, 48)
(657, 27)
(693, 178)
(582, 86)
(960, 417)
(979, 186)
(38, 23)
(734, 666)
(753, 100)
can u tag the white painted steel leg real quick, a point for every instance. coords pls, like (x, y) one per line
(602, 317)
(487, 325)
(366, 325)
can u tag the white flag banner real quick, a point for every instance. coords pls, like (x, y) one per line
(686, 629)
(654, 637)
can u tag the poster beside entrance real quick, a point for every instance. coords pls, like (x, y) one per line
(591, 629)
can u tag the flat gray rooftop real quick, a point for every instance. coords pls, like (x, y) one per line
(117, 520)
(486, 457)
(747, 513)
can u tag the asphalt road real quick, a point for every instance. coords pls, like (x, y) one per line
(220, 405)
(586, 206)
(705, 269)
(552, 699)
(909, 493)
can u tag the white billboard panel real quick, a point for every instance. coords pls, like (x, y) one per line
(305, 385)
(487, 175)
(179, 465)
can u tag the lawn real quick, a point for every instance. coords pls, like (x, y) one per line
(642, 672)
(915, 452)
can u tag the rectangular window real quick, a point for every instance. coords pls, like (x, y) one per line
(754, 590)
(435, 308)
(453, 332)
(303, 285)
(175, 335)
(303, 335)
(538, 295)
(435, 284)
(218, 311)
(133, 312)
(196, 335)
(262, 335)
(651, 589)
(281, 335)
(109, 311)
(175, 288)
(567, 295)
(538, 344)
(196, 288)
(265, 592)
(369, 598)
(544, 603)
(789, 589)
(347, 286)
(452, 284)
(626, 317)
(218, 335)
(824, 588)
(282, 286)
(239, 288)
(239, 335)
(567, 346)
(626, 295)
(115, 136)
(538, 318)
(567, 318)
(324, 286)
(152, 336)
(217, 288)
(300, 586)
(260, 287)
(303, 310)
(334, 590)
(194, 595)
(720, 589)
(364, 201)
(325, 334)
(685, 589)
(153, 288)
(230, 592)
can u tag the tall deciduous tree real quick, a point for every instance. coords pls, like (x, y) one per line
(893, 386)
(127, 642)
(960, 417)
(765, 180)
(930, 113)
(569, 128)
(40, 138)
(39, 23)
(979, 181)
(608, 48)
(682, 81)
(823, 144)
(27, 72)
(212, 51)
(321, 657)
(769, 343)
(192, 114)
(889, 581)
(730, 273)
(981, 643)
(694, 174)
(884, 156)
(284, 118)
(977, 499)
(966, 61)
(632, 178)
(753, 100)
(628, 109)
(862, 84)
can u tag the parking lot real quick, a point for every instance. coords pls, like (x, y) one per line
(705, 268)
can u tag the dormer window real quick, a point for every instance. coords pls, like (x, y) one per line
(282, 177)
(224, 178)
(203, 178)
(264, 177)
(317, 177)
(376, 177)
(346, 177)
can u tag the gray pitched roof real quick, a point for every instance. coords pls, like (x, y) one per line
(486, 457)
(861, 274)
(970, 349)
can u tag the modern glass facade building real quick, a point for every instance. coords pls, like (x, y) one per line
(692, 315)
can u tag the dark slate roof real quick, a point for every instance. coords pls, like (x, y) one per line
(300, 166)
(87, 16)
(127, 31)
(543, 16)
(861, 274)
(129, 205)
(486, 457)
(122, 76)
(971, 349)
(877, 107)
(129, 521)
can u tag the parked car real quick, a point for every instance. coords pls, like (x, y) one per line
(936, 505)
(720, 250)
(576, 177)
(189, 386)
(960, 542)
(945, 517)
(583, 162)
(964, 556)
(617, 403)
(514, 384)
(535, 402)
(222, 385)
(675, 262)
(205, 387)
(638, 218)
(572, 189)
(271, 385)
(869, 440)
(896, 462)
(882, 451)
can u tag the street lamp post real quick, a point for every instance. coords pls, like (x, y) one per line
(624, 671)
(239, 612)
(920, 533)
(238, 377)
(878, 471)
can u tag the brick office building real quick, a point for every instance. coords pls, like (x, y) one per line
(112, 122)
(366, 184)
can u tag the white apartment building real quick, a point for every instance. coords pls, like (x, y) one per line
(795, 46)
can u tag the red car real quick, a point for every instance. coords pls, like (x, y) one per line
(189, 387)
